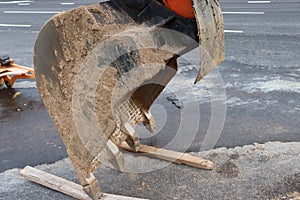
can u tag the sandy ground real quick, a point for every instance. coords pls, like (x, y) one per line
(260, 171)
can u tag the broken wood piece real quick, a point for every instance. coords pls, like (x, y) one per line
(62, 185)
(173, 156)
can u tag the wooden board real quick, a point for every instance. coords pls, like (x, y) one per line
(173, 156)
(62, 185)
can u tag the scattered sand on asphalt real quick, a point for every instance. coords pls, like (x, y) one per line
(259, 171)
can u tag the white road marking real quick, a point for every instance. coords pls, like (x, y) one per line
(67, 3)
(16, 25)
(233, 31)
(14, 2)
(259, 1)
(23, 4)
(30, 12)
(244, 13)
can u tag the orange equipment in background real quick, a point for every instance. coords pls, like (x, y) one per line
(183, 8)
(10, 72)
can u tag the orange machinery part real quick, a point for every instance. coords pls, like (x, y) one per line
(16, 71)
(183, 8)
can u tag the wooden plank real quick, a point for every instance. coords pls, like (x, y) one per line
(62, 185)
(173, 156)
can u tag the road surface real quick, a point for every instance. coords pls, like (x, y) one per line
(260, 77)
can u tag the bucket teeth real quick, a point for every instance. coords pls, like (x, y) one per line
(149, 122)
(92, 187)
(115, 155)
(132, 140)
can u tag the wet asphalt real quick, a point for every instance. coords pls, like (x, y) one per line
(261, 78)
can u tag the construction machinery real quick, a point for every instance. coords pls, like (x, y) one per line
(10, 71)
(100, 67)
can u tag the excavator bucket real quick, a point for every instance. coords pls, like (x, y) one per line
(210, 23)
(99, 68)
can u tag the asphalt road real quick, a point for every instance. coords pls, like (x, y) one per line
(261, 78)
